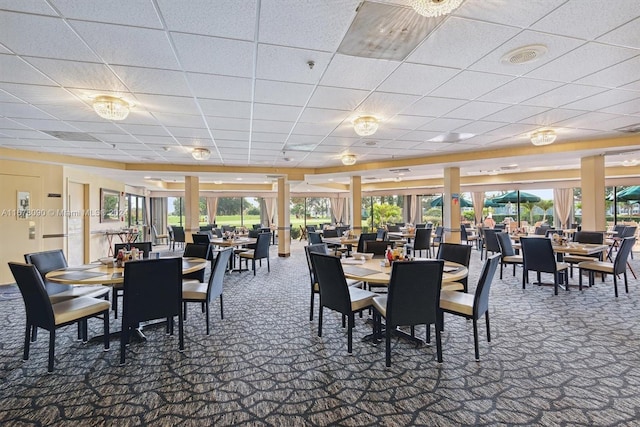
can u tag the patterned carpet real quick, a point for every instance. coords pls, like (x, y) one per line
(571, 359)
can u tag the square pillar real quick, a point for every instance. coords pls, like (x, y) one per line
(593, 196)
(191, 206)
(355, 204)
(451, 205)
(284, 218)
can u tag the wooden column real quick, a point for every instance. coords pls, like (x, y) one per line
(284, 218)
(451, 205)
(191, 206)
(592, 184)
(355, 204)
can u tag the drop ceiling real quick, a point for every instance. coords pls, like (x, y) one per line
(263, 84)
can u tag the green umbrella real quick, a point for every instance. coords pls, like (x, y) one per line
(437, 202)
(629, 194)
(512, 197)
(489, 203)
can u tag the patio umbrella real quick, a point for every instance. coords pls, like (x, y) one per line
(437, 202)
(489, 203)
(512, 197)
(629, 194)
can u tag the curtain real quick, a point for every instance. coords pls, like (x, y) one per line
(337, 209)
(562, 201)
(477, 197)
(414, 209)
(212, 209)
(270, 208)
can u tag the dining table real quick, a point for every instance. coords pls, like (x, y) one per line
(347, 242)
(237, 242)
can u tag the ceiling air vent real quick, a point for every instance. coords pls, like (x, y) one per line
(524, 54)
(400, 170)
(630, 129)
(71, 136)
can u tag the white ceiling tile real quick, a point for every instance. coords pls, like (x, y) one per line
(47, 125)
(444, 125)
(309, 25)
(518, 13)
(180, 120)
(479, 127)
(616, 76)
(418, 135)
(223, 144)
(563, 95)
(352, 72)
(603, 100)
(475, 110)
(276, 112)
(115, 138)
(431, 106)
(408, 122)
(39, 95)
(18, 111)
(220, 87)
(290, 65)
(629, 107)
(268, 137)
(515, 113)
(153, 81)
(320, 129)
(587, 19)
(515, 129)
(25, 134)
(217, 107)
(223, 56)
(551, 117)
(336, 98)
(272, 126)
(189, 133)
(166, 104)
(128, 45)
(269, 146)
(36, 7)
(81, 75)
(626, 35)
(223, 18)
(415, 79)
(274, 92)
(65, 44)
(519, 90)
(139, 13)
(385, 105)
(159, 141)
(227, 123)
(460, 42)
(15, 70)
(320, 115)
(144, 130)
(471, 85)
(230, 134)
(581, 62)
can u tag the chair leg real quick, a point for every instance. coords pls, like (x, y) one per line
(626, 283)
(27, 342)
(501, 268)
(615, 284)
(387, 346)
(184, 310)
(475, 339)
(114, 302)
(524, 274)
(253, 265)
(486, 318)
(105, 328)
(320, 319)
(221, 308)
(350, 333)
(439, 327)
(311, 305)
(579, 279)
(427, 338)
(180, 333)
(268, 266)
(206, 316)
(52, 348)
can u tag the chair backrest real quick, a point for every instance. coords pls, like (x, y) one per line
(330, 233)
(152, 290)
(629, 231)
(499, 227)
(45, 262)
(381, 234)
(363, 238)
(262, 246)
(311, 228)
(549, 231)
(393, 228)
(170, 232)
(537, 254)
(256, 226)
(490, 240)
(455, 252)
(595, 237)
(254, 233)
(619, 229)
(414, 293)
(314, 238)
(422, 225)
(437, 238)
(206, 227)
(36, 300)
(178, 233)
(377, 247)
(341, 230)
(620, 263)
(320, 248)
(217, 232)
(145, 247)
(196, 250)
(481, 297)
(217, 273)
(541, 230)
(334, 292)
(422, 239)
(228, 228)
(506, 247)
(464, 236)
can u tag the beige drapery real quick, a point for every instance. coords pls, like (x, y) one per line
(337, 208)
(415, 209)
(562, 201)
(270, 208)
(212, 209)
(477, 197)
(147, 218)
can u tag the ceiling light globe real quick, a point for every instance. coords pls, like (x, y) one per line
(434, 8)
(365, 125)
(111, 108)
(543, 137)
(348, 159)
(201, 153)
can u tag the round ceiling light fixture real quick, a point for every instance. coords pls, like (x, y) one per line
(348, 159)
(200, 153)
(434, 8)
(543, 137)
(524, 54)
(111, 108)
(631, 162)
(365, 125)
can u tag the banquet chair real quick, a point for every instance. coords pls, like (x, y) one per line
(413, 299)
(381, 234)
(178, 236)
(466, 237)
(437, 237)
(41, 313)
(421, 242)
(336, 295)
(473, 306)
(152, 290)
(314, 237)
(538, 256)
(457, 253)
(507, 253)
(593, 237)
(118, 289)
(363, 238)
(259, 253)
(393, 228)
(618, 266)
(170, 240)
(194, 291)
(490, 241)
(157, 236)
(378, 247)
(332, 233)
(194, 250)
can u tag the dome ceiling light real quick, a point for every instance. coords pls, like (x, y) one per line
(543, 137)
(365, 125)
(200, 153)
(434, 8)
(111, 108)
(348, 159)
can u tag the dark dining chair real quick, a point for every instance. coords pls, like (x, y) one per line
(178, 237)
(258, 254)
(314, 238)
(152, 290)
(194, 250)
(473, 306)
(381, 234)
(336, 295)
(618, 266)
(363, 238)
(378, 247)
(194, 291)
(437, 238)
(421, 242)
(457, 253)
(117, 290)
(41, 313)
(507, 253)
(320, 248)
(538, 256)
(590, 237)
(393, 228)
(413, 299)
(490, 241)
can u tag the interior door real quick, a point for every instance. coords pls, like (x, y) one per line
(75, 224)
